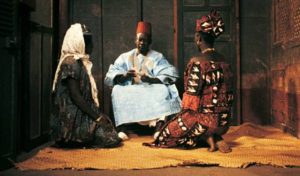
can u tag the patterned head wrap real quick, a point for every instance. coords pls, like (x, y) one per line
(211, 23)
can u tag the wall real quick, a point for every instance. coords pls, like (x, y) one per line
(37, 36)
(27, 33)
(9, 83)
(255, 55)
(285, 66)
(160, 14)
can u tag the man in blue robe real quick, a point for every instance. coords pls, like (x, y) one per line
(143, 85)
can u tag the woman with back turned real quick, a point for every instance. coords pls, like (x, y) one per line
(207, 100)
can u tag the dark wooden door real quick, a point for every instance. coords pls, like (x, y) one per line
(37, 31)
(186, 13)
(8, 85)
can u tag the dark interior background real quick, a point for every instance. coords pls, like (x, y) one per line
(261, 42)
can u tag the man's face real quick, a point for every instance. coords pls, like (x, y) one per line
(143, 42)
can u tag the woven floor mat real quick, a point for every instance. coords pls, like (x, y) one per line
(251, 144)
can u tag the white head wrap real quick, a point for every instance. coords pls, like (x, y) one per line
(74, 46)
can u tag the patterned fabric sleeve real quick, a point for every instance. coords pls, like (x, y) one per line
(193, 85)
(70, 68)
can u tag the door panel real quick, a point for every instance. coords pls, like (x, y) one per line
(46, 83)
(34, 86)
(160, 14)
(37, 58)
(8, 86)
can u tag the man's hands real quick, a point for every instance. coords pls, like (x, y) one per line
(131, 74)
(146, 78)
(149, 80)
(119, 79)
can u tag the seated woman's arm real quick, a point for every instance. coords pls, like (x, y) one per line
(77, 98)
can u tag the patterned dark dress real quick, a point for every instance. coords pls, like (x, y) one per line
(68, 123)
(206, 105)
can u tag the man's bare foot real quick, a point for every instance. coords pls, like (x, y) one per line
(211, 143)
(223, 147)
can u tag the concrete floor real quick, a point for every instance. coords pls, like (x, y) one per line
(172, 171)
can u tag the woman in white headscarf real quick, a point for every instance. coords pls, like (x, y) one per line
(76, 119)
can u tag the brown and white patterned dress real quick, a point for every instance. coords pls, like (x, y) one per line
(206, 105)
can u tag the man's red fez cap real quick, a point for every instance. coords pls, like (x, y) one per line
(143, 27)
